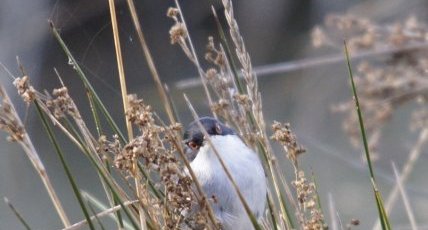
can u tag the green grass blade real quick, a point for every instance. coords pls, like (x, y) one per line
(379, 202)
(360, 116)
(19, 216)
(64, 164)
(272, 213)
(95, 114)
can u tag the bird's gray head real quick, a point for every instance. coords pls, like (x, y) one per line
(194, 137)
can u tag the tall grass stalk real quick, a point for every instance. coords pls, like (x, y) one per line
(137, 176)
(379, 202)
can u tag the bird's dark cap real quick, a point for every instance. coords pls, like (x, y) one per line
(211, 125)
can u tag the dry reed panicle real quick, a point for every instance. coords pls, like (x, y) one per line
(385, 84)
(308, 212)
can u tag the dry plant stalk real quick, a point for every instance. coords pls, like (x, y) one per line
(124, 92)
(12, 124)
(308, 211)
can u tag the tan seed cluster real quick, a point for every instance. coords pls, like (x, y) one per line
(62, 104)
(8, 119)
(283, 135)
(25, 90)
(310, 215)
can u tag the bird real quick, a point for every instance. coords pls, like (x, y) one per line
(241, 161)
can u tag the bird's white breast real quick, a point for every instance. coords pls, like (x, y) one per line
(247, 171)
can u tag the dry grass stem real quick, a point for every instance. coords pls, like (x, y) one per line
(332, 211)
(106, 212)
(308, 213)
(12, 124)
(405, 198)
(126, 103)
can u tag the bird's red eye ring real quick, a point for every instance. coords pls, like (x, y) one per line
(192, 145)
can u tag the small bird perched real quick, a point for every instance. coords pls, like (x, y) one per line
(241, 161)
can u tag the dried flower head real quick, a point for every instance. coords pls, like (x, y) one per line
(62, 104)
(309, 215)
(177, 33)
(25, 90)
(9, 121)
(283, 135)
(172, 12)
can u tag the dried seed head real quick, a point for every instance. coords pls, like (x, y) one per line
(62, 104)
(211, 74)
(172, 12)
(25, 90)
(284, 135)
(9, 120)
(177, 33)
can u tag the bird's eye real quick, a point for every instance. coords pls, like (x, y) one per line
(192, 145)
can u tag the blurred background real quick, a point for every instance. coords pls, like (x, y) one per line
(274, 32)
